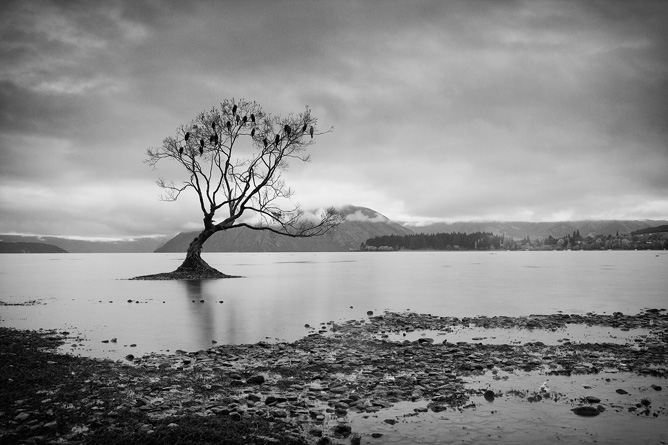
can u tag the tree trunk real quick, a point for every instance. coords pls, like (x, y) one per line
(193, 265)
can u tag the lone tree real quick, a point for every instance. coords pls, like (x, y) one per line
(234, 156)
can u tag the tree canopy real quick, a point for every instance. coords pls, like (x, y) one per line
(234, 157)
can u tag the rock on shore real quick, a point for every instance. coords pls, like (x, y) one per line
(310, 387)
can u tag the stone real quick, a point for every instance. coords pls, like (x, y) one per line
(621, 391)
(489, 395)
(343, 430)
(592, 399)
(22, 417)
(315, 432)
(656, 387)
(586, 411)
(256, 379)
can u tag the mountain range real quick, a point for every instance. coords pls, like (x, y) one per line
(135, 245)
(28, 247)
(360, 224)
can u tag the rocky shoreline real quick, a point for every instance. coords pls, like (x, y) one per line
(311, 390)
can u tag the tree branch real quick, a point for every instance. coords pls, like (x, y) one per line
(234, 155)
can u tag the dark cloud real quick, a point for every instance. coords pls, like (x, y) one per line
(450, 110)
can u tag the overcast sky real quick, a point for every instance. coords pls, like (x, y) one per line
(442, 111)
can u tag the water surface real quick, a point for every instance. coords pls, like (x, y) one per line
(88, 294)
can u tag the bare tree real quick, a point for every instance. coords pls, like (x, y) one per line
(234, 156)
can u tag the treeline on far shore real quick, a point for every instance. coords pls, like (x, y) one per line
(489, 241)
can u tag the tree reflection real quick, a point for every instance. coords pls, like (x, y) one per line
(204, 304)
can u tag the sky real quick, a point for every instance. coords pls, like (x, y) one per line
(441, 111)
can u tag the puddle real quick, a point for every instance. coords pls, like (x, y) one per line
(516, 415)
(574, 333)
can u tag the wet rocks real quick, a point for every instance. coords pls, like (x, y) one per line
(588, 411)
(256, 379)
(326, 378)
(342, 430)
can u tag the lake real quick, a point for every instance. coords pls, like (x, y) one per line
(89, 294)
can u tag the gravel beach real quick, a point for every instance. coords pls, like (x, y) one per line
(389, 378)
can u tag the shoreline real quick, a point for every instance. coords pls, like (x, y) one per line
(344, 384)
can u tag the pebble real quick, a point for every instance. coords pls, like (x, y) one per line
(22, 417)
(256, 379)
(301, 381)
(342, 430)
(586, 411)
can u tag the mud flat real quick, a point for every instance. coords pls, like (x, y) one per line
(389, 378)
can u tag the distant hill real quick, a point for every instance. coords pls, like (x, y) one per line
(22, 247)
(361, 224)
(136, 245)
(519, 230)
(647, 231)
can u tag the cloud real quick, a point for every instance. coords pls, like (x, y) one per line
(360, 216)
(441, 110)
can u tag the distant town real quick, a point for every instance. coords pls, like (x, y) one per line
(640, 240)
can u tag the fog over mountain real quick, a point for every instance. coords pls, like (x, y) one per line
(360, 224)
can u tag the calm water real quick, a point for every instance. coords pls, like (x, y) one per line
(87, 294)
